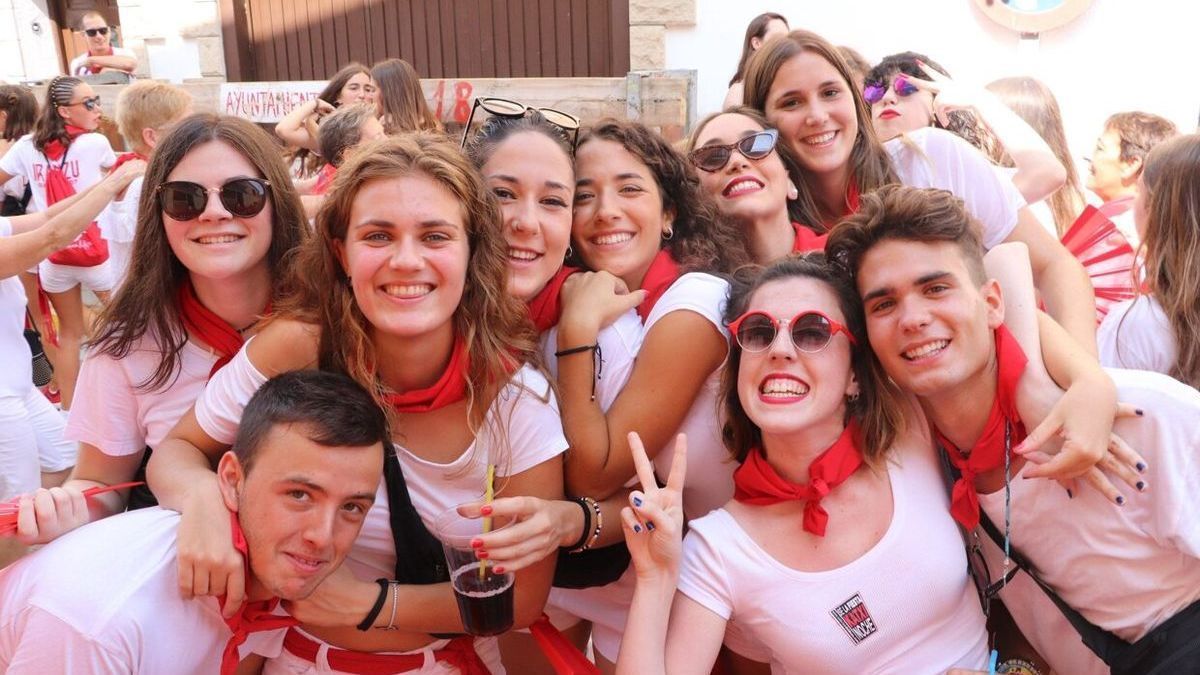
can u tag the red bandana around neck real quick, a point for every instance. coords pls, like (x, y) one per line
(451, 387)
(662, 273)
(127, 157)
(988, 452)
(756, 482)
(211, 329)
(324, 179)
(251, 617)
(808, 239)
(546, 307)
(54, 148)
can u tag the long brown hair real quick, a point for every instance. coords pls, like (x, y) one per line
(401, 101)
(879, 405)
(870, 165)
(1033, 102)
(494, 325)
(703, 240)
(309, 161)
(1171, 176)
(756, 29)
(147, 302)
(22, 109)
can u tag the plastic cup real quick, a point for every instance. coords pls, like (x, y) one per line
(485, 601)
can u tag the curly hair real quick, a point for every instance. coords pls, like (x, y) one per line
(493, 324)
(870, 164)
(147, 303)
(879, 407)
(704, 241)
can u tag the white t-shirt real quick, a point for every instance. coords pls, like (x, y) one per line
(118, 220)
(619, 345)
(1126, 568)
(112, 413)
(16, 377)
(105, 599)
(86, 156)
(906, 606)
(710, 467)
(79, 66)
(936, 158)
(1136, 334)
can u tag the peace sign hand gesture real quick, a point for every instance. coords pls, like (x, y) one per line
(653, 523)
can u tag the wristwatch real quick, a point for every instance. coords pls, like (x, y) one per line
(1018, 667)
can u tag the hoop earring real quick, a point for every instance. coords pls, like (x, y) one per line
(793, 192)
(668, 233)
(570, 253)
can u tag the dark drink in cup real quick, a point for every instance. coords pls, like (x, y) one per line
(485, 605)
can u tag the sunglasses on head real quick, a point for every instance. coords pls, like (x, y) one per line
(713, 158)
(874, 91)
(89, 104)
(502, 107)
(93, 32)
(185, 200)
(811, 332)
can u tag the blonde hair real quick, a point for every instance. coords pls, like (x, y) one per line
(147, 104)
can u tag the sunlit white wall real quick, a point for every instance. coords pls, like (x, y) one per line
(1120, 55)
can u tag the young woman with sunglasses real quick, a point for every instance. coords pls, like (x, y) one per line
(402, 288)
(1157, 331)
(802, 85)
(909, 91)
(209, 260)
(798, 574)
(741, 166)
(64, 142)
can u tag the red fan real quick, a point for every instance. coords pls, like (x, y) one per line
(9, 509)
(1106, 255)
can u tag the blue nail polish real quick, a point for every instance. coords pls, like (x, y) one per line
(649, 526)
(1140, 412)
(1141, 467)
(637, 528)
(1141, 485)
(637, 501)
(1120, 500)
(1070, 495)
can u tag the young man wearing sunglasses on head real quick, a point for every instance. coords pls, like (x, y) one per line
(1126, 569)
(298, 483)
(101, 55)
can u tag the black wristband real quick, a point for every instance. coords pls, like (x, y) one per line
(587, 525)
(597, 354)
(575, 350)
(368, 622)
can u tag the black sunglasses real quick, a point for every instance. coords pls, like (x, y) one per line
(185, 200)
(89, 104)
(502, 107)
(713, 158)
(93, 32)
(982, 576)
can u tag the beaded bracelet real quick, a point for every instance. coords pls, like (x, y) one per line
(599, 524)
(587, 527)
(378, 607)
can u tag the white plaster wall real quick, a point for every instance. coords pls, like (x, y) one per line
(1120, 55)
(27, 48)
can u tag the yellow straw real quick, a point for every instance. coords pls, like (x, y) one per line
(489, 492)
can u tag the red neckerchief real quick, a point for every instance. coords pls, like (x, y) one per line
(545, 308)
(251, 617)
(459, 653)
(451, 387)
(127, 157)
(212, 330)
(808, 239)
(54, 148)
(96, 69)
(324, 179)
(756, 481)
(988, 452)
(662, 273)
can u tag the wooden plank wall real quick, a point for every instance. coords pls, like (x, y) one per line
(311, 39)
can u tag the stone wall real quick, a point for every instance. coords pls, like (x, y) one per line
(648, 24)
(174, 39)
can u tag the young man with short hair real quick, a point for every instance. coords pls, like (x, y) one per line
(298, 483)
(1115, 167)
(101, 55)
(934, 321)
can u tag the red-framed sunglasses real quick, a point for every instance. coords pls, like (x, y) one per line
(811, 331)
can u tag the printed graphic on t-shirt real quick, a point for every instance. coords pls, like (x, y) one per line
(853, 617)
